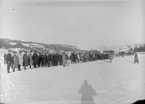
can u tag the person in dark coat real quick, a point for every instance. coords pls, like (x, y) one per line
(84, 58)
(73, 57)
(54, 59)
(30, 59)
(48, 60)
(35, 59)
(45, 59)
(39, 60)
(25, 60)
(136, 59)
(57, 61)
(38, 55)
(9, 61)
(60, 58)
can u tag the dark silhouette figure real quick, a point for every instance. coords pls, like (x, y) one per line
(87, 93)
(136, 60)
(35, 59)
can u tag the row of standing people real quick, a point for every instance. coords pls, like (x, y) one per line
(18, 60)
(36, 59)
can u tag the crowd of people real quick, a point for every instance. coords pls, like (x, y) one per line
(18, 60)
(24, 59)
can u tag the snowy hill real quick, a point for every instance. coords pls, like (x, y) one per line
(17, 44)
(20, 45)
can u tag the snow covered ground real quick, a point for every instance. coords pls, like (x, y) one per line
(120, 82)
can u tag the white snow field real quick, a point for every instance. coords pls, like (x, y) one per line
(119, 82)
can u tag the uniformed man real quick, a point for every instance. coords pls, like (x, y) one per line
(30, 57)
(9, 61)
(35, 59)
(25, 60)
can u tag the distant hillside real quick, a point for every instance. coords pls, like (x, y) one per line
(8, 44)
(17, 44)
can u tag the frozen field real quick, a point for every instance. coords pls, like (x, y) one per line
(120, 82)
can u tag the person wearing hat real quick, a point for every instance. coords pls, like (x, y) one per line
(43, 60)
(54, 59)
(57, 59)
(20, 56)
(30, 59)
(60, 58)
(40, 59)
(35, 59)
(25, 60)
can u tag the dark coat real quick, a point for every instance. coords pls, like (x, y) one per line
(25, 60)
(40, 57)
(73, 57)
(45, 58)
(60, 59)
(55, 59)
(35, 58)
(9, 58)
(30, 58)
(136, 58)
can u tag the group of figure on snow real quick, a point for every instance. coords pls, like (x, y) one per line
(36, 59)
(44, 59)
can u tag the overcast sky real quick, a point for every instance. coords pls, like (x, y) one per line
(83, 23)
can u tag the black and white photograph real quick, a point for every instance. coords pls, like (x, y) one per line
(72, 51)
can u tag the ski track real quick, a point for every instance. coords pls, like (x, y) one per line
(119, 82)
